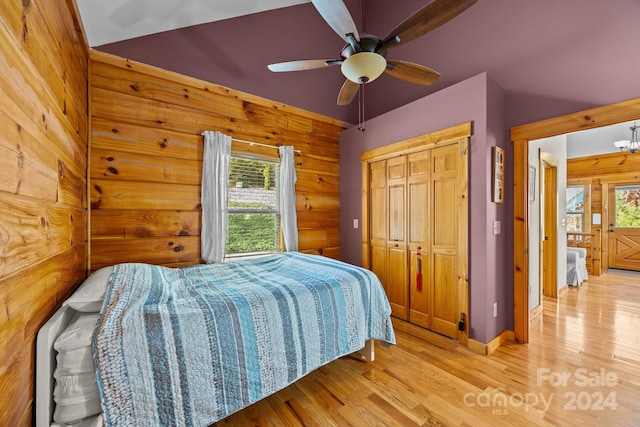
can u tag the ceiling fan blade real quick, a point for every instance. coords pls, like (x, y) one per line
(338, 17)
(428, 18)
(304, 64)
(411, 72)
(347, 92)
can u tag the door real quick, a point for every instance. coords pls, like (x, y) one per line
(398, 293)
(444, 239)
(624, 230)
(378, 220)
(387, 181)
(432, 185)
(549, 225)
(415, 228)
(418, 186)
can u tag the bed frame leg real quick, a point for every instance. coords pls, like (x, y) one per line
(367, 352)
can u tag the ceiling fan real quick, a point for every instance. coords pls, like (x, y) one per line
(363, 59)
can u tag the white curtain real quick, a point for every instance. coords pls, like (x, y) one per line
(215, 179)
(289, 219)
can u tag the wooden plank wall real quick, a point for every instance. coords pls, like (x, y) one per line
(43, 159)
(146, 161)
(601, 171)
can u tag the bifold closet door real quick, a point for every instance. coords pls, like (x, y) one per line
(418, 189)
(378, 220)
(445, 223)
(415, 227)
(432, 183)
(398, 288)
(387, 216)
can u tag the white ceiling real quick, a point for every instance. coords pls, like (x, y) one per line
(597, 141)
(115, 20)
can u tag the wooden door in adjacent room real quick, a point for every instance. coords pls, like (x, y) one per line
(549, 225)
(624, 227)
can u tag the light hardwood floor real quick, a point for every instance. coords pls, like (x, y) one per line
(581, 368)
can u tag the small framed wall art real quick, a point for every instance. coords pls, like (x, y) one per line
(498, 175)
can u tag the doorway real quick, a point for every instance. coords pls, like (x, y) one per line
(520, 136)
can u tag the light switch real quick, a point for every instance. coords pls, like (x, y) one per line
(355, 223)
(496, 227)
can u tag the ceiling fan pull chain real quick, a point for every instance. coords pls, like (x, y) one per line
(361, 109)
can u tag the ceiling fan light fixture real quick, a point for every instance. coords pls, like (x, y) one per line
(363, 67)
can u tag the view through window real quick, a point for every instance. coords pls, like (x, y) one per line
(253, 207)
(575, 208)
(628, 206)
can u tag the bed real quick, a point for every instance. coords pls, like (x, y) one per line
(192, 345)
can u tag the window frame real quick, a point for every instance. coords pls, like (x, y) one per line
(616, 188)
(586, 211)
(248, 211)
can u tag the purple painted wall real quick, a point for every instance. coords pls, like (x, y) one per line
(499, 247)
(235, 53)
(553, 57)
(490, 277)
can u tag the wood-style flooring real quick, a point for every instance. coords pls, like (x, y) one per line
(581, 368)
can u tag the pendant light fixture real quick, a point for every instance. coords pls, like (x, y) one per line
(632, 145)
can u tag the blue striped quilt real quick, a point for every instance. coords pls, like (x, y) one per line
(190, 346)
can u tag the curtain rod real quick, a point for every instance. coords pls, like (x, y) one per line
(256, 143)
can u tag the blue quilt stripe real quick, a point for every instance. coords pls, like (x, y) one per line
(205, 341)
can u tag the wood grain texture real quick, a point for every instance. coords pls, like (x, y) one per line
(43, 203)
(408, 208)
(612, 167)
(146, 160)
(153, 250)
(429, 380)
(29, 299)
(600, 173)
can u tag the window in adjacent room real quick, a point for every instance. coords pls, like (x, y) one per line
(253, 207)
(575, 208)
(627, 206)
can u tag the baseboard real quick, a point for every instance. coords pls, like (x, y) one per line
(473, 345)
(487, 349)
(535, 312)
(563, 290)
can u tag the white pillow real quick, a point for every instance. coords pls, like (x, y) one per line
(76, 391)
(92, 421)
(90, 295)
(73, 389)
(72, 414)
(77, 361)
(78, 333)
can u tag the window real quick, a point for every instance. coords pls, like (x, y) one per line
(628, 206)
(575, 208)
(253, 207)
